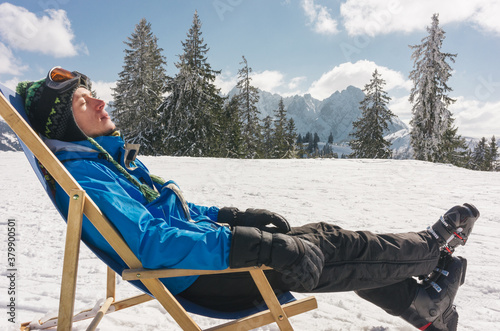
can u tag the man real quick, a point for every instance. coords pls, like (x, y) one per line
(166, 231)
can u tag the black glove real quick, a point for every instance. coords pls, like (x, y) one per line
(299, 260)
(258, 218)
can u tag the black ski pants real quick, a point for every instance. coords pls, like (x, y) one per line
(379, 267)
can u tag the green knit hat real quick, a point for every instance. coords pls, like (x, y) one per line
(49, 106)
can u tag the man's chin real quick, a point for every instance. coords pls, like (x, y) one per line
(111, 132)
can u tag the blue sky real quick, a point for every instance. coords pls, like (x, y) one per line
(293, 46)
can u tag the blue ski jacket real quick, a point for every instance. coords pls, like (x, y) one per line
(158, 233)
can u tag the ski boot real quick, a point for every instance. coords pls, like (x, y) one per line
(432, 308)
(454, 227)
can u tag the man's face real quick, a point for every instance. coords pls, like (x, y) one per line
(90, 115)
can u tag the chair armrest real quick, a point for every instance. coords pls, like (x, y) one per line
(138, 274)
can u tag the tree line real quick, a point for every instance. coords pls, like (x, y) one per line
(186, 115)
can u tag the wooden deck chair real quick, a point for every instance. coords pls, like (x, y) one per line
(277, 311)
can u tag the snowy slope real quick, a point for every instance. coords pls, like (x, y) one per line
(379, 195)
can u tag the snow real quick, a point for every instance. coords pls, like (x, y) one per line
(377, 195)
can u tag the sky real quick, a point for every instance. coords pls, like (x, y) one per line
(293, 46)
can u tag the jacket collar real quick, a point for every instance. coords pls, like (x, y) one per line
(84, 148)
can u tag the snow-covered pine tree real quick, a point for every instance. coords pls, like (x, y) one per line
(478, 157)
(432, 133)
(249, 96)
(491, 155)
(280, 141)
(369, 129)
(192, 111)
(291, 138)
(140, 88)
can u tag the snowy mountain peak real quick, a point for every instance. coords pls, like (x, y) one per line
(334, 114)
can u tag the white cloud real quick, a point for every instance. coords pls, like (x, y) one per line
(374, 17)
(319, 18)
(268, 80)
(103, 90)
(486, 16)
(402, 108)
(356, 74)
(476, 118)
(8, 63)
(12, 83)
(296, 81)
(225, 82)
(50, 34)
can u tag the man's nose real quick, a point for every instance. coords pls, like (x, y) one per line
(98, 104)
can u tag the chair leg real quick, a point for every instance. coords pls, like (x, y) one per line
(111, 284)
(272, 302)
(71, 253)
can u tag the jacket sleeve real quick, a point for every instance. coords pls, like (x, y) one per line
(202, 211)
(159, 241)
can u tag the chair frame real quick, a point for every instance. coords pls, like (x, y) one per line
(81, 204)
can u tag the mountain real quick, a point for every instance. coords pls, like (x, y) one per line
(334, 114)
(8, 140)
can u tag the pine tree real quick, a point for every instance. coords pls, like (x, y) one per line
(369, 130)
(140, 88)
(313, 143)
(479, 155)
(249, 96)
(291, 137)
(307, 138)
(491, 155)
(453, 148)
(232, 140)
(432, 134)
(267, 135)
(280, 142)
(330, 138)
(192, 112)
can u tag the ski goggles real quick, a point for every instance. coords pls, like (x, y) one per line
(62, 79)
(59, 75)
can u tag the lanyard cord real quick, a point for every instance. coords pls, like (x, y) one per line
(147, 191)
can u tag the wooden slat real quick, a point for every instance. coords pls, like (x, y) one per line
(71, 257)
(263, 318)
(136, 300)
(139, 274)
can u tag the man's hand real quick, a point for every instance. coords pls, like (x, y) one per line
(258, 218)
(300, 261)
